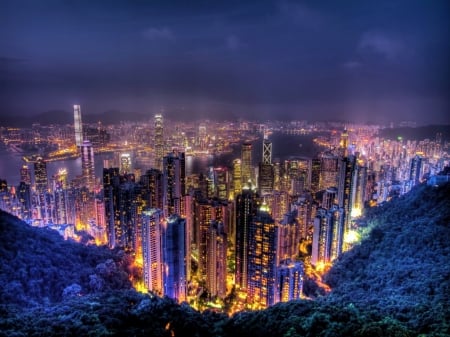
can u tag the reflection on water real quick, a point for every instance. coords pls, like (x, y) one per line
(284, 147)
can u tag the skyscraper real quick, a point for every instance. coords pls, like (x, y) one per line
(328, 235)
(290, 281)
(415, 171)
(174, 183)
(176, 253)
(25, 175)
(216, 258)
(152, 250)
(40, 175)
(246, 162)
(78, 126)
(262, 260)
(237, 177)
(87, 164)
(345, 187)
(247, 204)
(159, 142)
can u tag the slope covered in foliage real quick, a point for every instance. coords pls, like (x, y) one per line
(402, 266)
(394, 283)
(39, 267)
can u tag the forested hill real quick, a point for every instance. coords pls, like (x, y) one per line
(402, 267)
(394, 283)
(39, 267)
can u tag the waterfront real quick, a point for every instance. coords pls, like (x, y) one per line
(284, 147)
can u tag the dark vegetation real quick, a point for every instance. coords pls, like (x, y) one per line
(395, 283)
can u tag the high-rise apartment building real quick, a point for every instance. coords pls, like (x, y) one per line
(262, 260)
(87, 164)
(152, 223)
(174, 183)
(175, 256)
(290, 281)
(247, 204)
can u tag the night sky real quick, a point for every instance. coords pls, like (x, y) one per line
(363, 61)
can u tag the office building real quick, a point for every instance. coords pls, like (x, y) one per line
(78, 126)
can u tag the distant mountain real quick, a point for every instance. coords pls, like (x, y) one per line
(419, 133)
(62, 117)
(394, 283)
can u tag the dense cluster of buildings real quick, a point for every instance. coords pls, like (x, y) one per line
(231, 229)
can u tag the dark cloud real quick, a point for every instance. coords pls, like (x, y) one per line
(266, 59)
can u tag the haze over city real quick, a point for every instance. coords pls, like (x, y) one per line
(376, 61)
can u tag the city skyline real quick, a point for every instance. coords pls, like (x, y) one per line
(365, 62)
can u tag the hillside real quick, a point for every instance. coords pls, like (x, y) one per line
(394, 283)
(39, 267)
(402, 267)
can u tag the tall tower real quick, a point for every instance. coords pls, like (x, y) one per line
(40, 175)
(25, 175)
(267, 151)
(266, 172)
(87, 164)
(345, 187)
(159, 142)
(44, 201)
(262, 260)
(152, 224)
(237, 177)
(174, 183)
(246, 162)
(78, 126)
(246, 207)
(176, 253)
(415, 169)
(343, 146)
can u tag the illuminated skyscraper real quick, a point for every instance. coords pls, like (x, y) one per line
(25, 174)
(40, 175)
(288, 237)
(174, 183)
(345, 187)
(78, 126)
(152, 181)
(328, 170)
(152, 224)
(359, 189)
(237, 177)
(176, 253)
(206, 212)
(343, 145)
(321, 238)
(262, 260)
(328, 235)
(216, 258)
(44, 197)
(159, 142)
(87, 164)
(290, 281)
(247, 204)
(415, 172)
(266, 172)
(246, 162)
